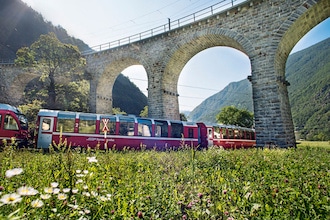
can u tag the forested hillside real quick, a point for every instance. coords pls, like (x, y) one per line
(238, 94)
(21, 26)
(308, 72)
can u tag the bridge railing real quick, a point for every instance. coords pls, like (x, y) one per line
(6, 61)
(171, 25)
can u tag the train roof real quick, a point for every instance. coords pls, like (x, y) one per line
(10, 108)
(54, 113)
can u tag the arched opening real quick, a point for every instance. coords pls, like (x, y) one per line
(130, 90)
(203, 80)
(307, 71)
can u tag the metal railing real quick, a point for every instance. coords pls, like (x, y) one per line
(6, 61)
(171, 25)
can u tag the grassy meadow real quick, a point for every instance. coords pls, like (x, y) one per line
(183, 184)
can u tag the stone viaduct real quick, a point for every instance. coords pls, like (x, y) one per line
(265, 30)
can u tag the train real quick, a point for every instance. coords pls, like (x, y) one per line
(13, 125)
(107, 131)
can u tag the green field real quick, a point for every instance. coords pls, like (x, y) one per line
(184, 184)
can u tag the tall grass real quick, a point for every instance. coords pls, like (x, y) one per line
(183, 184)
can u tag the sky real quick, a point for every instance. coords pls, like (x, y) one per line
(101, 21)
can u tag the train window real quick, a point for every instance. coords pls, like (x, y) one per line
(126, 126)
(216, 132)
(248, 136)
(177, 129)
(87, 124)
(144, 127)
(0, 120)
(224, 133)
(111, 124)
(45, 124)
(65, 121)
(253, 136)
(10, 123)
(190, 132)
(230, 133)
(161, 128)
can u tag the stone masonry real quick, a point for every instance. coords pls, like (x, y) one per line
(265, 30)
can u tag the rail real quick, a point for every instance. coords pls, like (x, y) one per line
(171, 25)
(7, 62)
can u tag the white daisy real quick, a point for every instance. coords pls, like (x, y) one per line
(11, 198)
(37, 203)
(13, 172)
(27, 191)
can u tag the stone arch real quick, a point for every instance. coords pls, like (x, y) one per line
(106, 81)
(18, 85)
(189, 48)
(301, 21)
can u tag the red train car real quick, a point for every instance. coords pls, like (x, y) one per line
(228, 136)
(13, 124)
(116, 131)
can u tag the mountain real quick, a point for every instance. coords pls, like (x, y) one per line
(20, 26)
(308, 72)
(238, 94)
(127, 96)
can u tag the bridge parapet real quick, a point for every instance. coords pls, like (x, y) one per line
(171, 25)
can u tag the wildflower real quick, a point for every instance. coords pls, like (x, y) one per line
(79, 181)
(94, 193)
(27, 191)
(56, 190)
(2, 188)
(45, 196)
(13, 172)
(37, 203)
(62, 196)
(200, 195)
(66, 190)
(11, 198)
(103, 198)
(74, 191)
(87, 211)
(140, 215)
(86, 171)
(48, 190)
(54, 184)
(78, 171)
(224, 191)
(86, 194)
(92, 159)
(73, 206)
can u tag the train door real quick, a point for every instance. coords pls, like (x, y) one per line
(45, 132)
(203, 135)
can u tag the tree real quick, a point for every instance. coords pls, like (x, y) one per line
(183, 117)
(52, 58)
(144, 112)
(234, 116)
